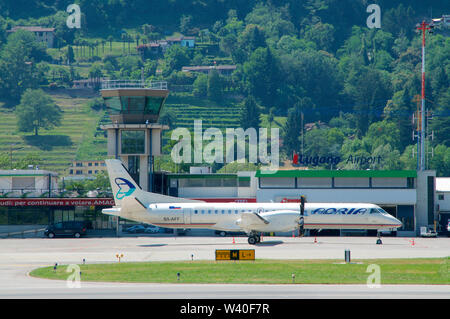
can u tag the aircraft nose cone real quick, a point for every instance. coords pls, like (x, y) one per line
(395, 222)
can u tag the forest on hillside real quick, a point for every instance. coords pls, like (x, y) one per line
(312, 61)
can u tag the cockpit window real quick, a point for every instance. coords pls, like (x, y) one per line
(382, 211)
(374, 211)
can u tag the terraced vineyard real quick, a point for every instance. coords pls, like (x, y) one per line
(58, 147)
(213, 116)
(220, 117)
(81, 138)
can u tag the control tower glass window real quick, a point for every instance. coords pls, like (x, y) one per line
(133, 104)
(113, 104)
(133, 142)
(153, 105)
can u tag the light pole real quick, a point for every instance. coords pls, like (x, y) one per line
(424, 27)
(11, 152)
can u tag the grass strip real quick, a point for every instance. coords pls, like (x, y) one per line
(392, 271)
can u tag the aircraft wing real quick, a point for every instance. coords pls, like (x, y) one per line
(252, 221)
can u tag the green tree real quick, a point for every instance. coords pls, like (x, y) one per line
(37, 110)
(185, 23)
(383, 133)
(250, 115)
(271, 115)
(110, 40)
(399, 110)
(5, 161)
(322, 34)
(292, 130)
(200, 86)
(70, 55)
(215, 86)
(261, 75)
(441, 160)
(176, 57)
(389, 158)
(371, 90)
(441, 120)
(18, 60)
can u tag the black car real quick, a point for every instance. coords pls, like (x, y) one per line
(73, 229)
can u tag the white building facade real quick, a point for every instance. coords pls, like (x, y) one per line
(27, 183)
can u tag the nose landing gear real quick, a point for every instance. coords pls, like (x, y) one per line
(379, 242)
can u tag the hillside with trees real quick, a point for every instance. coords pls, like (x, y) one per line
(314, 62)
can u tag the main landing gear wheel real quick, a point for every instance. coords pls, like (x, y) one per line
(254, 239)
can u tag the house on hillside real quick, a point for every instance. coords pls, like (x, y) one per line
(443, 21)
(91, 83)
(188, 42)
(44, 35)
(150, 50)
(319, 124)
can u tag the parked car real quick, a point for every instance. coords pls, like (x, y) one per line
(135, 229)
(73, 229)
(151, 229)
(427, 232)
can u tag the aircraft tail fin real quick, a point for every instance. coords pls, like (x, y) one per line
(123, 185)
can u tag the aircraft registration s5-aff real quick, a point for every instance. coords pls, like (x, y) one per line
(134, 204)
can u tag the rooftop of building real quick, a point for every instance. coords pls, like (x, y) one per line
(32, 29)
(208, 67)
(25, 172)
(442, 184)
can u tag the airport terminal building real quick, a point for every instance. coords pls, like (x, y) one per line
(31, 197)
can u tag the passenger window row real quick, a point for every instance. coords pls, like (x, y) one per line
(223, 211)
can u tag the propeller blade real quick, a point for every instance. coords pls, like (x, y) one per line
(301, 221)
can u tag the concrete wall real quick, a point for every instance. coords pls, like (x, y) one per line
(248, 192)
(421, 212)
(207, 192)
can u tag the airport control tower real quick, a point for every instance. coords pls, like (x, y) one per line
(134, 135)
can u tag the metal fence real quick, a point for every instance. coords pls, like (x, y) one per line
(133, 84)
(54, 193)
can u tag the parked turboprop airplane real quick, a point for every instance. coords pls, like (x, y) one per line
(253, 218)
